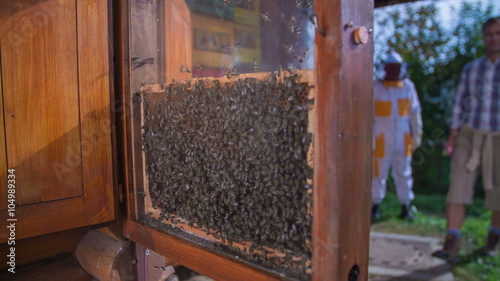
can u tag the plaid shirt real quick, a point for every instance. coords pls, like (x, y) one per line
(477, 102)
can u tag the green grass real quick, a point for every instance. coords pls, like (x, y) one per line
(430, 221)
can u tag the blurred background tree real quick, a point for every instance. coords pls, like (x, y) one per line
(435, 51)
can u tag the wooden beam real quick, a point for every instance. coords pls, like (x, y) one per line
(342, 174)
(199, 259)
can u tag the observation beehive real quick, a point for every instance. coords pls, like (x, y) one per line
(223, 178)
(230, 159)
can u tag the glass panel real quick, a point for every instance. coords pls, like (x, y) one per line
(224, 126)
(249, 36)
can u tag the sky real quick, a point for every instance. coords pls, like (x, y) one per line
(445, 8)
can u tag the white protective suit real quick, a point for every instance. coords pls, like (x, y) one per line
(397, 133)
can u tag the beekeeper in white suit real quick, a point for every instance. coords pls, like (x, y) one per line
(397, 133)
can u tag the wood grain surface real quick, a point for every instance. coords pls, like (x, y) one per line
(95, 109)
(342, 178)
(58, 127)
(40, 91)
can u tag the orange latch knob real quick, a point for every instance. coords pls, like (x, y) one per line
(360, 35)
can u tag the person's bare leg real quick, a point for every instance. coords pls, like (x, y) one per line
(455, 215)
(495, 219)
(493, 235)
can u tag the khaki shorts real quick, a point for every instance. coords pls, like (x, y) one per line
(462, 181)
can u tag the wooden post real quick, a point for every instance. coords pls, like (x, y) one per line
(343, 165)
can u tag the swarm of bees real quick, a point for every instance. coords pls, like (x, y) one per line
(231, 158)
(184, 69)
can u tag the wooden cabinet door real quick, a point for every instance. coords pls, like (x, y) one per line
(233, 41)
(56, 130)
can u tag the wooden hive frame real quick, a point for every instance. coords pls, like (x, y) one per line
(342, 153)
(155, 92)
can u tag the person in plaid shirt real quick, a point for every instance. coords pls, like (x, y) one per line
(474, 144)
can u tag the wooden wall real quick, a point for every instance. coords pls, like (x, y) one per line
(55, 81)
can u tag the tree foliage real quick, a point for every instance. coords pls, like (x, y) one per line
(435, 54)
